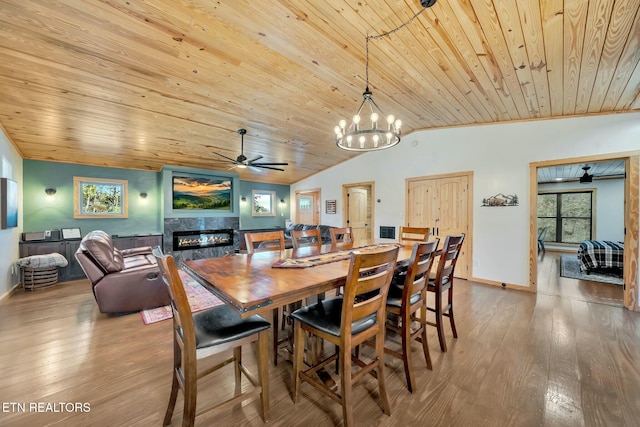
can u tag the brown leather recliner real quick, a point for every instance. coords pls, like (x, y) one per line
(123, 280)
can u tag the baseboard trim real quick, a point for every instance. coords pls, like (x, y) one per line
(10, 292)
(500, 284)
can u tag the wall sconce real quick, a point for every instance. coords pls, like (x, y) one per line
(143, 195)
(243, 199)
(282, 201)
(50, 191)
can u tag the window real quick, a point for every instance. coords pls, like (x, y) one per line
(99, 198)
(567, 216)
(263, 203)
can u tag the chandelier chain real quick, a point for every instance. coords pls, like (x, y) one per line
(385, 34)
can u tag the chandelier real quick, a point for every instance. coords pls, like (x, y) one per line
(366, 132)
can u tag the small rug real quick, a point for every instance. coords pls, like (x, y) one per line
(570, 267)
(199, 299)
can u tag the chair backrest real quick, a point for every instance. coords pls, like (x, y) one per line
(267, 241)
(341, 235)
(448, 258)
(310, 237)
(184, 334)
(410, 235)
(418, 269)
(369, 271)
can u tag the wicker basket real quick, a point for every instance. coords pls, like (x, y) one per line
(40, 277)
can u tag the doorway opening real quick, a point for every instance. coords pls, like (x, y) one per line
(631, 199)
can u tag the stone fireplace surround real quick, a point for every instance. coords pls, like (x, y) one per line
(199, 223)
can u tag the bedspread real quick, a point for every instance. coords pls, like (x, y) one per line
(594, 254)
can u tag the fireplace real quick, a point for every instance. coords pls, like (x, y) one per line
(198, 239)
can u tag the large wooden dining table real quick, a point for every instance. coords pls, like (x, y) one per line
(252, 285)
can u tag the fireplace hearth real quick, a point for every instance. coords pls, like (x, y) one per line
(198, 239)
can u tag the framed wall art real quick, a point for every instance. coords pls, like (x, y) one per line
(330, 206)
(8, 203)
(99, 198)
(201, 192)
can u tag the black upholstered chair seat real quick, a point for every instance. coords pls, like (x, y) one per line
(325, 316)
(432, 281)
(223, 324)
(396, 300)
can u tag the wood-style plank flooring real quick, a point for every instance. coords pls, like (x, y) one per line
(568, 356)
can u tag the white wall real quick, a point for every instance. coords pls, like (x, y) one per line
(10, 167)
(499, 155)
(609, 209)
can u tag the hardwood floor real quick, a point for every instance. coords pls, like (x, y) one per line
(564, 357)
(550, 283)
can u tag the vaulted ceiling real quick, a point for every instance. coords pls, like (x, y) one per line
(143, 84)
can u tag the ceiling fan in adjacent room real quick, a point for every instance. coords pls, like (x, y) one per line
(586, 177)
(243, 162)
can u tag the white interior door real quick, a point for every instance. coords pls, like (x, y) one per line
(305, 212)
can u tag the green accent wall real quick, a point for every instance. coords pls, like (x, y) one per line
(41, 212)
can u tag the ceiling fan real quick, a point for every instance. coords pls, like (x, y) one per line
(586, 177)
(243, 162)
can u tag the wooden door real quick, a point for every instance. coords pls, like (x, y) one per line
(358, 209)
(452, 218)
(305, 212)
(442, 204)
(421, 209)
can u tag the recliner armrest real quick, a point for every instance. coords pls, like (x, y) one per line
(142, 250)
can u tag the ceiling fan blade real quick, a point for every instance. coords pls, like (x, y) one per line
(254, 159)
(253, 168)
(228, 158)
(269, 167)
(270, 164)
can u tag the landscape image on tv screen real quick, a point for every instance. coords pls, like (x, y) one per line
(203, 192)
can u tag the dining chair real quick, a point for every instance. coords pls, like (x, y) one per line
(347, 321)
(270, 241)
(310, 237)
(407, 301)
(443, 281)
(411, 235)
(541, 235)
(341, 235)
(264, 241)
(205, 335)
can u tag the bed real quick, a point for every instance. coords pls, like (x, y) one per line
(600, 254)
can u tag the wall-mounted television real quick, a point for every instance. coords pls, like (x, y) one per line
(201, 192)
(8, 203)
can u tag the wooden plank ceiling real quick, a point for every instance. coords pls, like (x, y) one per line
(144, 84)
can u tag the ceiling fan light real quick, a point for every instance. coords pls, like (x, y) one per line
(241, 166)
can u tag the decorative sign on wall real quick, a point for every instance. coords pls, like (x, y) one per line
(500, 200)
(330, 207)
